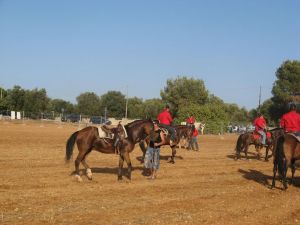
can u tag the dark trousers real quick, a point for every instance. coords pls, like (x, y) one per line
(170, 129)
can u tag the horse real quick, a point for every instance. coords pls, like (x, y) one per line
(180, 132)
(253, 138)
(287, 151)
(87, 140)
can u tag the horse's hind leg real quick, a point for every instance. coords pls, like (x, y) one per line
(293, 168)
(89, 173)
(173, 155)
(77, 163)
(129, 166)
(267, 152)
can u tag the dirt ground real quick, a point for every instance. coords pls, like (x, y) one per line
(206, 187)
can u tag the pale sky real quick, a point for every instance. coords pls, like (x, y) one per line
(69, 47)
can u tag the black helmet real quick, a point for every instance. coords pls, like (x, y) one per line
(293, 106)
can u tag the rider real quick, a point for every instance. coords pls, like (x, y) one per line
(290, 121)
(165, 119)
(190, 120)
(260, 126)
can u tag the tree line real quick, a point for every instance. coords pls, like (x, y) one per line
(186, 96)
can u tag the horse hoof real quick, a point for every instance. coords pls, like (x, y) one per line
(78, 177)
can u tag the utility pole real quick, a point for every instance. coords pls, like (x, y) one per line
(259, 99)
(126, 107)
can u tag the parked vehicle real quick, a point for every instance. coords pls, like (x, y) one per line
(73, 118)
(99, 120)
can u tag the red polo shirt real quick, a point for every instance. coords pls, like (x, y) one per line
(290, 121)
(165, 117)
(260, 123)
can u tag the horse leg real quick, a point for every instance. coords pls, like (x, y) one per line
(267, 152)
(293, 168)
(173, 154)
(274, 173)
(258, 148)
(246, 151)
(121, 161)
(77, 163)
(89, 173)
(285, 168)
(129, 166)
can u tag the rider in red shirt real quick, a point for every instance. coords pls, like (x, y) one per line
(190, 120)
(165, 119)
(260, 126)
(290, 121)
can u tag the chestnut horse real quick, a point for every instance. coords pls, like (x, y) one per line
(287, 151)
(181, 131)
(88, 139)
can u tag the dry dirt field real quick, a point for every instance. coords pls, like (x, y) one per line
(206, 187)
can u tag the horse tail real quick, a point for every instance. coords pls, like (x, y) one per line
(279, 160)
(70, 145)
(238, 147)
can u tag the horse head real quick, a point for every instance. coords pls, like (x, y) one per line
(139, 129)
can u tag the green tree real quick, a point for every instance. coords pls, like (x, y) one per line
(135, 108)
(284, 88)
(15, 98)
(152, 107)
(35, 102)
(57, 105)
(183, 91)
(114, 102)
(88, 103)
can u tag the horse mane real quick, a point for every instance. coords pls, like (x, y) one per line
(275, 129)
(136, 122)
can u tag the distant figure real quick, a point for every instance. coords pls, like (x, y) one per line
(157, 139)
(165, 119)
(194, 141)
(190, 121)
(290, 121)
(260, 126)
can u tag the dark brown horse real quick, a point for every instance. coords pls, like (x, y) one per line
(252, 138)
(88, 139)
(287, 151)
(181, 131)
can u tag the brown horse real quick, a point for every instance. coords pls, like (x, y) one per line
(181, 131)
(287, 151)
(249, 138)
(88, 139)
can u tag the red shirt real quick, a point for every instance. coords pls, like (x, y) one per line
(260, 123)
(190, 120)
(195, 133)
(165, 117)
(290, 121)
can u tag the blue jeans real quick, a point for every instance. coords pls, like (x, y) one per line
(263, 136)
(152, 158)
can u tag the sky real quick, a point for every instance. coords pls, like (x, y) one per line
(70, 47)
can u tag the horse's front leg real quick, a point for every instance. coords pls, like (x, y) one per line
(121, 161)
(274, 173)
(89, 173)
(258, 148)
(129, 166)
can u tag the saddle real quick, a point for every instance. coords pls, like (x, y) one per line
(256, 135)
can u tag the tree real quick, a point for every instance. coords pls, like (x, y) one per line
(88, 103)
(286, 85)
(114, 102)
(135, 108)
(183, 91)
(152, 107)
(35, 102)
(57, 105)
(15, 98)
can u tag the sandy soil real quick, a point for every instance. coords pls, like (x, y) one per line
(206, 187)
